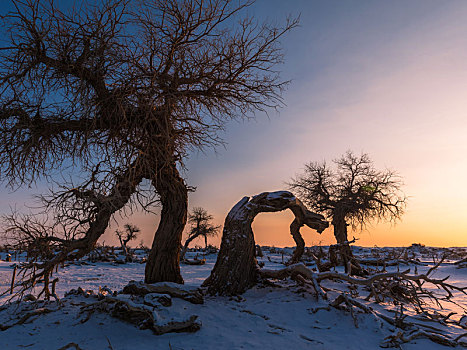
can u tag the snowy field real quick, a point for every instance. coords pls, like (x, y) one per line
(277, 316)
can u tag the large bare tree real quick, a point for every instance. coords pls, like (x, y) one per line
(352, 193)
(112, 96)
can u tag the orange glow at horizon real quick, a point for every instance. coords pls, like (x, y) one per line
(272, 229)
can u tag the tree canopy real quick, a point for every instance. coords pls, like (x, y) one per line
(353, 190)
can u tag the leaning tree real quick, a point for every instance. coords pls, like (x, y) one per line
(353, 193)
(112, 96)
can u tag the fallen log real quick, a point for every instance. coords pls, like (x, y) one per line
(140, 316)
(173, 289)
(194, 262)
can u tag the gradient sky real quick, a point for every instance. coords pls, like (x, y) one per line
(388, 78)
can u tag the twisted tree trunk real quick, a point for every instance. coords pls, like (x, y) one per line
(236, 269)
(163, 263)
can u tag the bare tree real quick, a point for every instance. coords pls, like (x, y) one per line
(130, 233)
(353, 193)
(201, 226)
(119, 92)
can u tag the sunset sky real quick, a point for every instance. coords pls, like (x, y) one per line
(388, 78)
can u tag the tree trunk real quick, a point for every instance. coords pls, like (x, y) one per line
(236, 269)
(123, 245)
(185, 246)
(351, 264)
(299, 241)
(340, 229)
(340, 232)
(163, 263)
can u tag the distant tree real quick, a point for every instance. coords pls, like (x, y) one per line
(352, 193)
(119, 92)
(201, 226)
(130, 233)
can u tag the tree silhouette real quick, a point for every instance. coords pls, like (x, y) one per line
(353, 193)
(130, 233)
(201, 226)
(117, 93)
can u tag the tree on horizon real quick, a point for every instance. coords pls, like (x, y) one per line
(352, 193)
(201, 226)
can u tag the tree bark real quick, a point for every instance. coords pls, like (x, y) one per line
(299, 241)
(163, 263)
(351, 264)
(340, 229)
(236, 269)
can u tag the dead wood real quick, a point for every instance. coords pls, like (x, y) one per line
(398, 287)
(144, 319)
(194, 261)
(401, 337)
(139, 288)
(23, 319)
(393, 285)
(236, 267)
(139, 316)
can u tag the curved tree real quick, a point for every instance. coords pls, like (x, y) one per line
(201, 226)
(118, 92)
(236, 269)
(352, 193)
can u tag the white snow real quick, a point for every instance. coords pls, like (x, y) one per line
(262, 318)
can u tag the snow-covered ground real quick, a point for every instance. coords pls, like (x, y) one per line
(265, 317)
